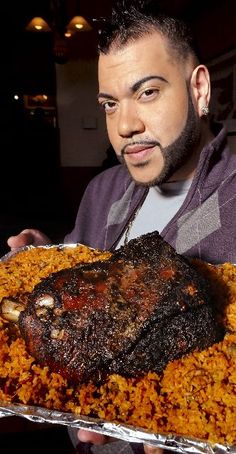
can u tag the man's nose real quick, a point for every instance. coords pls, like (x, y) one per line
(129, 122)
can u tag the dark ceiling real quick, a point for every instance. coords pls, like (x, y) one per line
(29, 56)
(22, 11)
(213, 20)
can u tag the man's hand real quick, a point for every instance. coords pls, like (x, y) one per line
(97, 439)
(152, 450)
(28, 237)
(92, 437)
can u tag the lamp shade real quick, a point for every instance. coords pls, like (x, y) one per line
(78, 24)
(38, 24)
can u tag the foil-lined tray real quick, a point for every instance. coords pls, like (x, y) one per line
(173, 442)
(121, 431)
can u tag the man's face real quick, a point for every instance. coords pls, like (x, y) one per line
(151, 121)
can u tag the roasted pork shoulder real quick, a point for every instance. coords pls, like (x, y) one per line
(131, 314)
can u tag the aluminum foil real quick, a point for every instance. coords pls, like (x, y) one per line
(123, 432)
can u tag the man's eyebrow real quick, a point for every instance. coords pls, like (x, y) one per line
(134, 87)
(106, 95)
(140, 82)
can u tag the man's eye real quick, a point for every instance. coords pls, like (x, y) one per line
(149, 93)
(109, 106)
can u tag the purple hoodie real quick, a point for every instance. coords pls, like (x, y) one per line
(204, 227)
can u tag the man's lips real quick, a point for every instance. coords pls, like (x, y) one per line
(139, 152)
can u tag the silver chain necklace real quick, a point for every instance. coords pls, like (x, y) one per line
(130, 225)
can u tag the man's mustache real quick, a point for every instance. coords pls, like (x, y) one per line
(150, 143)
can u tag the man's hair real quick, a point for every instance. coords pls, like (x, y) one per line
(133, 19)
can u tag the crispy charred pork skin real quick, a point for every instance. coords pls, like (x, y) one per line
(133, 313)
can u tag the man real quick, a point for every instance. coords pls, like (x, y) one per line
(176, 174)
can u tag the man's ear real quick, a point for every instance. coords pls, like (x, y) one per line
(201, 88)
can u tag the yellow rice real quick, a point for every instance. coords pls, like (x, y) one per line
(25, 269)
(194, 396)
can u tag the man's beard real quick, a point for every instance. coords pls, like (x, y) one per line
(179, 152)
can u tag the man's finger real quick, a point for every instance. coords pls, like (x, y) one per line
(20, 240)
(152, 450)
(92, 437)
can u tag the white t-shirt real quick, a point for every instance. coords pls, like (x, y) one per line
(159, 207)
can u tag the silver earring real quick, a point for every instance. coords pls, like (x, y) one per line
(205, 110)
